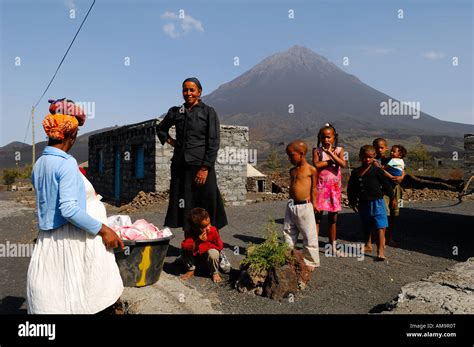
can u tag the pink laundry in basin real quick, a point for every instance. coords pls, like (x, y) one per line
(140, 230)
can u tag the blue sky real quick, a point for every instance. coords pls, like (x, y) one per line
(409, 59)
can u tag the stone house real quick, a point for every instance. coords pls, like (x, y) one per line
(126, 160)
(257, 182)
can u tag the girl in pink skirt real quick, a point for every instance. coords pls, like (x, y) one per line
(328, 158)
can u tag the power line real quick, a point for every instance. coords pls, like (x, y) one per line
(65, 54)
(27, 128)
(59, 66)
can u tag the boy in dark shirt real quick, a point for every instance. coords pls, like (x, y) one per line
(367, 186)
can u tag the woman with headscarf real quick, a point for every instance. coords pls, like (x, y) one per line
(193, 178)
(72, 269)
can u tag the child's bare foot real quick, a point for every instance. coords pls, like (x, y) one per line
(187, 275)
(380, 254)
(216, 278)
(368, 249)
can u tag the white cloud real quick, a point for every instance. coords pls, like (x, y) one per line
(170, 30)
(183, 25)
(432, 55)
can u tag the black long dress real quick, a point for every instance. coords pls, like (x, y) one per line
(197, 143)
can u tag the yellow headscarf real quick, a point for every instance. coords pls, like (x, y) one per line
(57, 125)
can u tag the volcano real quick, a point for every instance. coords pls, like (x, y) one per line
(292, 94)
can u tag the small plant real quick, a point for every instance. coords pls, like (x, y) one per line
(271, 253)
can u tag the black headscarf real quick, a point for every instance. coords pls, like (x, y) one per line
(194, 80)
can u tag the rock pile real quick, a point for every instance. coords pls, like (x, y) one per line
(409, 194)
(427, 194)
(270, 197)
(143, 200)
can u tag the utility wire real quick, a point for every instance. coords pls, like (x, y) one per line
(59, 66)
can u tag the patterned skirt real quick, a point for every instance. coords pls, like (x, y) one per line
(329, 188)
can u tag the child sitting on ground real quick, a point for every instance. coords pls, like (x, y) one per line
(299, 214)
(367, 186)
(202, 245)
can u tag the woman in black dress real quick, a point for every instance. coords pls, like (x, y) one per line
(193, 178)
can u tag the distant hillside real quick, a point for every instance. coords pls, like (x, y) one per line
(7, 152)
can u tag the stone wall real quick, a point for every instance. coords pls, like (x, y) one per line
(124, 139)
(231, 164)
(163, 154)
(469, 158)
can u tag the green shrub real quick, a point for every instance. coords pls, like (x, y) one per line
(26, 172)
(9, 176)
(419, 157)
(271, 253)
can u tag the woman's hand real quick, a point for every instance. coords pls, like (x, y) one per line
(110, 238)
(201, 176)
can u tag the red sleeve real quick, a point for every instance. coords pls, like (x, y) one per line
(188, 243)
(215, 239)
(204, 247)
(213, 242)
